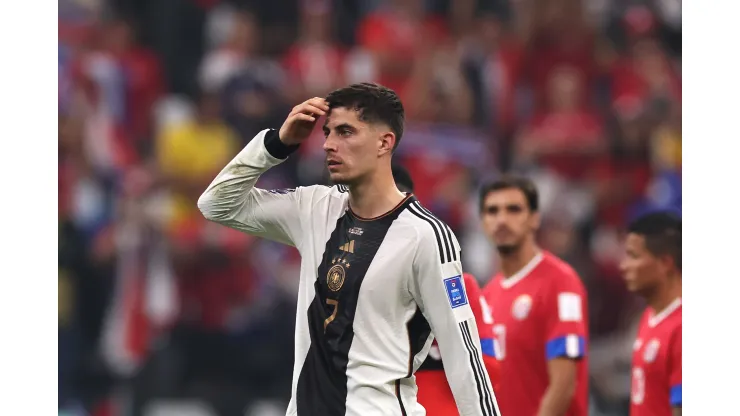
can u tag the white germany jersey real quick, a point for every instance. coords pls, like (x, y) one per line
(373, 292)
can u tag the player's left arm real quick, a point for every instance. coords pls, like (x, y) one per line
(438, 289)
(566, 344)
(675, 372)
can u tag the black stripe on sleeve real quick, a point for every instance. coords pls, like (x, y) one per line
(398, 395)
(446, 229)
(442, 227)
(436, 232)
(490, 407)
(472, 354)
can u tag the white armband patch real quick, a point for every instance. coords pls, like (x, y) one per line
(569, 307)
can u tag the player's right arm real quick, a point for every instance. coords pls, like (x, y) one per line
(566, 343)
(232, 200)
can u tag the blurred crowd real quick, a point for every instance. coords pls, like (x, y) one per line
(159, 309)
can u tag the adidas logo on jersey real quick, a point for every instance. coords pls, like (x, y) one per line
(348, 247)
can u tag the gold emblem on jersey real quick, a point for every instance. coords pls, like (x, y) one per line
(348, 247)
(335, 277)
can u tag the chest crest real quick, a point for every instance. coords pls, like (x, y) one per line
(521, 307)
(337, 274)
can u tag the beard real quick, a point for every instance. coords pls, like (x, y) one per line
(507, 249)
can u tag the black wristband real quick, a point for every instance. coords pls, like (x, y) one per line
(276, 147)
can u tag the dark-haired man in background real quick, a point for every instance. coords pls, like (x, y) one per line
(652, 269)
(539, 310)
(379, 274)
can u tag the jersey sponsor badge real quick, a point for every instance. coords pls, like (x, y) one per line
(651, 350)
(521, 307)
(455, 291)
(282, 191)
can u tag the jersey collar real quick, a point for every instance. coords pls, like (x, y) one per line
(521, 274)
(656, 319)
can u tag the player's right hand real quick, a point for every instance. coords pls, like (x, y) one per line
(301, 121)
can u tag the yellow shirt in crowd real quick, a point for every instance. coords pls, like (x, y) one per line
(194, 151)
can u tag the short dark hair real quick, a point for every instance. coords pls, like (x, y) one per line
(374, 103)
(402, 177)
(521, 183)
(662, 233)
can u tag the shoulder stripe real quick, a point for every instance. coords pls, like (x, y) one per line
(442, 244)
(488, 404)
(449, 251)
(447, 231)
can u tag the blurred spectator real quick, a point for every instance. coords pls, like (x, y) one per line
(121, 82)
(500, 57)
(559, 36)
(142, 74)
(228, 57)
(567, 137)
(314, 65)
(252, 98)
(437, 88)
(644, 82)
(395, 35)
(192, 153)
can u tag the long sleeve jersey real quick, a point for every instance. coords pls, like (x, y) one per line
(373, 292)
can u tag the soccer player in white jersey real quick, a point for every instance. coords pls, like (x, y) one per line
(380, 275)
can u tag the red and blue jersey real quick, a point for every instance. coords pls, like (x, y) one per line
(539, 314)
(656, 363)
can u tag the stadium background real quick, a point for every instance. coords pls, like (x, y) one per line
(162, 313)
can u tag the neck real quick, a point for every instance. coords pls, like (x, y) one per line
(665, 295)
(376, 196)
(513, 262)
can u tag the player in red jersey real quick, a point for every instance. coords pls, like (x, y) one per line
(434, 392)
(539, 309)
(652, 269)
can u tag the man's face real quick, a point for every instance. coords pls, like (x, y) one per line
(352, 146)
(640, 268)
(507, 219)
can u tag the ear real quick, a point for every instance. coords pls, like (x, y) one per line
(386, 141)
(665, 262)
(535, 220)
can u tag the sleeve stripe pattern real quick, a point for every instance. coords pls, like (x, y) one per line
(439, 232)
(570, 346)
(488, 404)
(444, 227)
